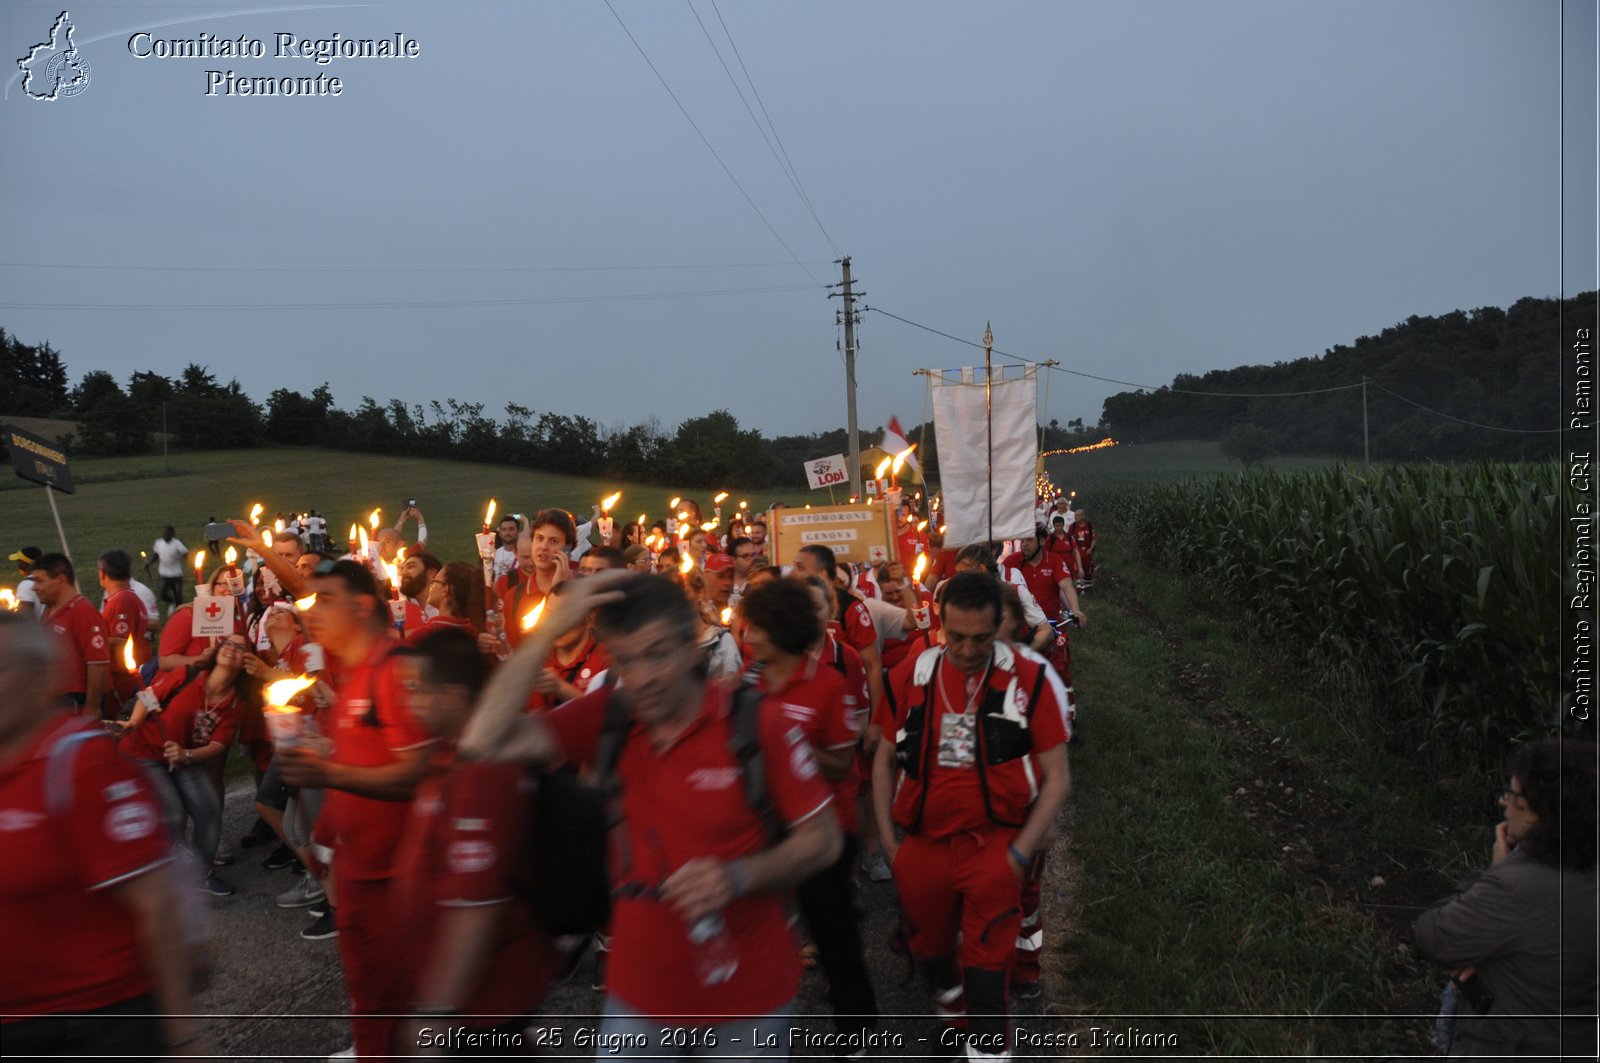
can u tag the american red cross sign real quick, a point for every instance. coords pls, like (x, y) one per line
(213, 615)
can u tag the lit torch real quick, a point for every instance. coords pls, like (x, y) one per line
(128, 659)
(372, 518)
(304, 604)
(727, 615)
(283, 719)
(231, 557)
(488, 516)
(920, 567)
(255, 514)
(531, 617)
(266, 537)
(8, 599)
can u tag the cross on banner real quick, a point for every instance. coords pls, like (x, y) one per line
(213, 610)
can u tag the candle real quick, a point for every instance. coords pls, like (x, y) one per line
(305, 603)
(488, 516)
(266, 537)
(727, 614)
(8, 598)
(128, 658)
(372, 519)
(721, 498)
(230, 557)
(255, 514)
(531, 617)
(283, 719)
(609, 501)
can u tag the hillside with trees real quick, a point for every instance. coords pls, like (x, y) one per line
(1498, 368)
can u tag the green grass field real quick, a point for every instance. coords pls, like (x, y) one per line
(125, 502)
(1127, 465)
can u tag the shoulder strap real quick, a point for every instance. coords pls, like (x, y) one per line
(371, 717)
(613, 734)
(745, 745)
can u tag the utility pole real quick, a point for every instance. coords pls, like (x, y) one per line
(988, 414)
(848, 314)
(1366, 437)
(166, 462)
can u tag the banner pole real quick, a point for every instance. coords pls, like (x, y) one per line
(988, 414)
(831, 500)
(50, 495)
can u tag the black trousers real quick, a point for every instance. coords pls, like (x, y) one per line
(829, 911)
(131, 1028)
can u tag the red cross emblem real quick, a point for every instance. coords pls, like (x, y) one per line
(213, 610)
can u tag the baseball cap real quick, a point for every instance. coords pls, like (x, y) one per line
(26, 556)
(719, 562)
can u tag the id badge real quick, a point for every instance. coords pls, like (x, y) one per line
(957, 741)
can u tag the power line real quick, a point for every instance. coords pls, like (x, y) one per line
(404, 269)
(1112, 380)
(1219, 394)
(685, 112)
(411, 304)
(1474, 424)
(800, 188)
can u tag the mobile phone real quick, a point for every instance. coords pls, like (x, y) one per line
(411, 503)
(218, 531)
(1474, 992)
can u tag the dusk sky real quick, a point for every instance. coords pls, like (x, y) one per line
(523, 214)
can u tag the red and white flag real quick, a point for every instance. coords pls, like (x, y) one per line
(894, 441)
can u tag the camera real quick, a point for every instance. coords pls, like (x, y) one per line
(411, 503)
(218, 531)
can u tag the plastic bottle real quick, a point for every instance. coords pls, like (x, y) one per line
(716, 957)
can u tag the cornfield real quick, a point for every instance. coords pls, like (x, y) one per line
(1441, 584)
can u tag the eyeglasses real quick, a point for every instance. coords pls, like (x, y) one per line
(1510, 796)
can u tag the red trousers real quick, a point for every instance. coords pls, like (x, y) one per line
(1030, 936)
(960, 883)
(372, 952)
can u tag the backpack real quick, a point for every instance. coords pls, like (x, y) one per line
(566, 874)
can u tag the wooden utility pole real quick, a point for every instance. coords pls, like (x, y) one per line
(1366, 436)
(988, 414)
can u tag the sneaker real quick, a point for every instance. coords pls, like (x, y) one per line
(345, 1053)
(1026, 990)
(280, 857)
(260, 833)
(876, 867)
(318, 909)
(322, 929)
(216, 887)
(602, 949)
(307, 891)
(222, 859)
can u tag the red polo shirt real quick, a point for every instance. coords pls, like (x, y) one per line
(370, 723)
(679, 803)
(1043, 579)
(124, 617)
(187, 720)
(588, 666)
(81, 632)
(437, 623)
(68, 946)
(467, 825)
(856, 626)
(818, 700)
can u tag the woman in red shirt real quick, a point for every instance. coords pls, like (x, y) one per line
(198, 721)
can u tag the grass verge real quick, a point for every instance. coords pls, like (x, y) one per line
(1249, 869)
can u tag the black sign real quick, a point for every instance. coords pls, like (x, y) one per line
(37, 459)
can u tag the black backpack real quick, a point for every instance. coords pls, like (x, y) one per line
(567, 875)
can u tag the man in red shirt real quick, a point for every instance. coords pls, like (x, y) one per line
(692, 862)
(1082, 535)
(786, 637)
(125, 619)
(417, 573)
(92, 927)
(477, 948)
(379, 754)
(541, 564)
(79, 627)
(855, 623)
(1048, 578)
(975, 774)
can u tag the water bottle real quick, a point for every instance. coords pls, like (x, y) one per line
(715, 955)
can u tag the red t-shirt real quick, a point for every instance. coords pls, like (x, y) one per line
(907, 539)
(955, 798)
(684, 802)
(580, 673)
(467, 828)
(438, 623)
(124, 617)
(364, 831)
(1043, 579)
(1061, 546)
(68, 946)
(187, 719)
(81, 632)
(820, 701)
(516, 598)
(857, 627)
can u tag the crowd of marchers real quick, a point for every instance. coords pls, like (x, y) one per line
(754, 739)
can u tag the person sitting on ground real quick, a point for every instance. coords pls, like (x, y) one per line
(1519, 939)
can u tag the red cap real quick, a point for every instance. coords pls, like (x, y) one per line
(719, 562)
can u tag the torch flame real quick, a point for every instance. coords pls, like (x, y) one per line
(277, 525)
(686, 566)
(683, 514)
(305, 603)
(727, 614)
(920, 568)
(883, 467)
(531, 617)
(392, 570)
(641, 519)
(610, 500)
(372, 518)
(744, 503)
(722, 497)
(361, 537)
(8, 598)
(255, 513)
(674, 503)
(709, 526)
(900, 458)
(199, 564)
(279, 693)
(922, 525)
(231, 556)
(128, 657)
(488, 515)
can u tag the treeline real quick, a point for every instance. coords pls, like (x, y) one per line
(112, 418)
(1495, 367)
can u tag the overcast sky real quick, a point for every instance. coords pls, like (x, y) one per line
(1134, 188)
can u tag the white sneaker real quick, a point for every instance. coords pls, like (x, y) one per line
(876, 867)
(345, 1053)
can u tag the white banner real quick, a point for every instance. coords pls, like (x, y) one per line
(828, 472)
(963, 432)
